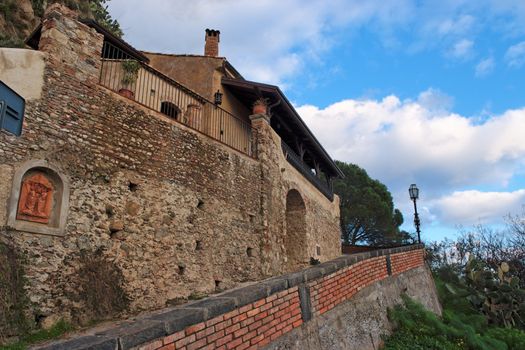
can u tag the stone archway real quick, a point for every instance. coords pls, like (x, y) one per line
(295, 239)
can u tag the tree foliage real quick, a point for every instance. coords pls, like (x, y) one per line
(493, 247)
(96, 9)
(100, 12)
(367, 209)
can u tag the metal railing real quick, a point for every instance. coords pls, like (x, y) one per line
(143, 84)
(306, 171)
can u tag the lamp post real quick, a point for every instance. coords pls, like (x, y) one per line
(414, 194)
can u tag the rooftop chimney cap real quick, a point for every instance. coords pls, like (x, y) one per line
(213, 32)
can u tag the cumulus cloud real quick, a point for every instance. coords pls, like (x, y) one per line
(484, 67)
(515, 55)
(476, 207)
(462, 49)
(401, 142)
(435, 100)
(274, 40)
(267, 40)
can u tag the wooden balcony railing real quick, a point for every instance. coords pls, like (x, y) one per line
(306, 171)
(159, 92)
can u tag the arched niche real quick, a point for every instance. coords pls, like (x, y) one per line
(39, 199)
(295, 241)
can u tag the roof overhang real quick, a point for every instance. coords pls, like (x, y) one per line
(248, 91)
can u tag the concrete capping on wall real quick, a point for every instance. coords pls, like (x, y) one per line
(175, 322)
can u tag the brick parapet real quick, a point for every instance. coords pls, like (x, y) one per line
(253, 316)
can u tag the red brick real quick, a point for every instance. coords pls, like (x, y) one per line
(239, 318)
(249, 335)
(255, 325)
(243, 346)
(173, 337)
(185, 341)
(195, 328)
(212, 337)
(168, 347)
(245, 308)
(257, 339)
(240, 332)
(223, 325)
(232, 328)
(152, 346)
(234, 343)
(224, 340)
(214, 321)
(205, 332)
(196, 345)
(247, 322)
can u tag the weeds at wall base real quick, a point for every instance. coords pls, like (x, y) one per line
(14, 303)
(54, 332)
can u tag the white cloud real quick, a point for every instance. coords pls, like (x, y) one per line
(273, 40)
(515, 55)
(462, 49)
(484, 67)
(476, 207)
(435, 100)
(267, 40)
(403, 142)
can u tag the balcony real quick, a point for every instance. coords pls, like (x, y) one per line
(306, 171)
(160, 93)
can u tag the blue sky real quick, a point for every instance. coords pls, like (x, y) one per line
(426, 92)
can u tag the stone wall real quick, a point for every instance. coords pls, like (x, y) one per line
(176, 213)
(341, 304)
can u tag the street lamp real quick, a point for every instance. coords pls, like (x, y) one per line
(414, 194)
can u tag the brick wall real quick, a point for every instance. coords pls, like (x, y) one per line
(405, 261)
(251, 326)
(254, 316)
(332, 290)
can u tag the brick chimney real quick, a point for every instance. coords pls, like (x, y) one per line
(211, 47)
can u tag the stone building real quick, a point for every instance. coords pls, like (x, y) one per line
(155, 162)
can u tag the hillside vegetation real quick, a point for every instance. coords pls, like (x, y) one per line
(18, 18)
(479, 278)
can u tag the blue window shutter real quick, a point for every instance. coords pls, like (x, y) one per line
(12, 107)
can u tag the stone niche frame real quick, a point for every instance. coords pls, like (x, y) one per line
(57, 221)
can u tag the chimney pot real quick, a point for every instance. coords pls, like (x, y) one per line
(212, 39)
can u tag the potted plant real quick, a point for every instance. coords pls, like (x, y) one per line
(131, 70)
(260, 106)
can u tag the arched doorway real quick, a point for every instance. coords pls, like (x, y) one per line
(295, 238)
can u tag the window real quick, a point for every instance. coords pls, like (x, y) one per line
(12, 107)
(169, 109)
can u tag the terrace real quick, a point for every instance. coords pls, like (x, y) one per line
(134, 79)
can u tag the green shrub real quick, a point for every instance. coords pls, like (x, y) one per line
(6, 41)
(417, 328)
(514, 338)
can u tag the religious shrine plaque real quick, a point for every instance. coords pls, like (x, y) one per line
(36, 197)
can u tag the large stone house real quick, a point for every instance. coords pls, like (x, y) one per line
(155, 162)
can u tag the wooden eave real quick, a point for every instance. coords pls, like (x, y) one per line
(283, 113)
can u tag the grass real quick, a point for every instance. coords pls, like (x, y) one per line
(54, 332)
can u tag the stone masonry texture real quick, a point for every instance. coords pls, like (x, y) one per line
(176, 212)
